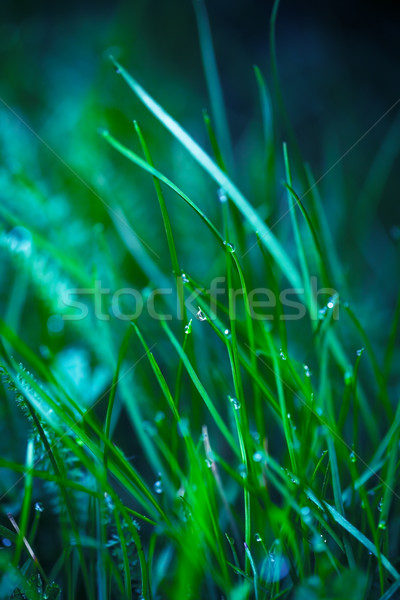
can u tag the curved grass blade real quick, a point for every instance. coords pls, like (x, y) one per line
(146, 167)
(204, 160)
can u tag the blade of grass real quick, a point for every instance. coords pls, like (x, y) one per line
(250, 214)
(213, 81)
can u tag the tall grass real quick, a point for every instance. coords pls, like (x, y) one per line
(205, 453)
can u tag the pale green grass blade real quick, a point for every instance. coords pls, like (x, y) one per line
(271, 243)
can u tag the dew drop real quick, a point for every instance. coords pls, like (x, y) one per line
(382, 525)
(200, 315)
(307, 371)
(330, 303)
(183, 427)
(184, 278)
(306, 515)
(360, 351)
(348, 376)
(352, 457)
(230, 247)
(322, 313)
(109, 502)
(257, 457)
(55, 324)
(158, 487)
(209, 463)
(282, 354)
(242, 471)
(6, 542)
(45, 352)
(380, 505)
(188, 327)
(235, 403)
(160, 416)
(149, 428)
(20, 240)
(102, 131)
(318, 543)
(257, 537)
(227, 332)
(222, 197)
(39, 507)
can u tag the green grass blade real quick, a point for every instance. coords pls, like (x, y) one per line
(213, 81)
(273, 246)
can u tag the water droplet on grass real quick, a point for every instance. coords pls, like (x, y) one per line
(306, 514)
(109, 502)
(20, 240)
(330, 303)
(352, 457)
(348, 376)
(235, 403)
(307, 371)
(257, 537)
(222, 197)
(55, 324)
(45, 352)
(200, 315)
(318, 543)
(160, 416)
(227, 332)
(188, 327)
(158, 487)
(382, 525)
(257, 457)
(360, 351)
(184, 278)
(183, 427)
(282, 354)
(209, 463)
(380, 505)
(6, 542)
(230, 247)
(242, 471)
